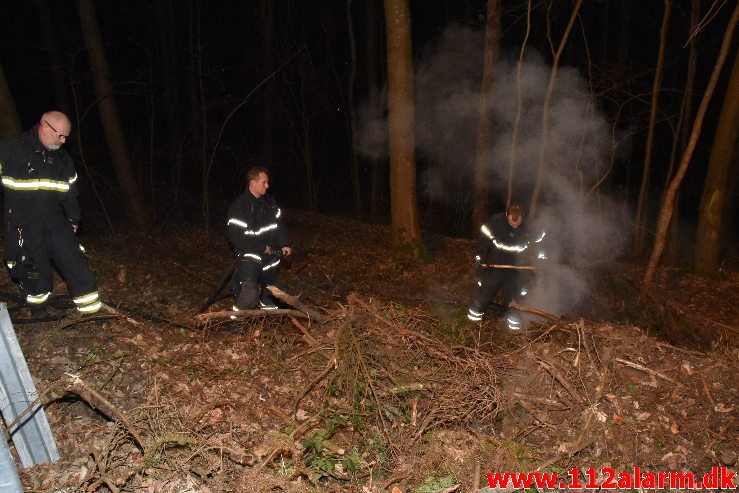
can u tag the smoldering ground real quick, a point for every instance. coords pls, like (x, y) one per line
(571, 158)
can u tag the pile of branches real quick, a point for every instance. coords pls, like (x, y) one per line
(389, 365)
(389, 372)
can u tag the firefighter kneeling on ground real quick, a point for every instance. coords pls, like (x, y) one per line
(259, 240)
(502, 248)
(42, 215)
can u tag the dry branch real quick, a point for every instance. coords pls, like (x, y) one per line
(294, 301)
(637, 366)
(333, 364)
(76, 385)
(534, 311)
(549, 366)
(540, 400)
(250, 313)
(306, 334)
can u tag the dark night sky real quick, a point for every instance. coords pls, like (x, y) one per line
(314, 34)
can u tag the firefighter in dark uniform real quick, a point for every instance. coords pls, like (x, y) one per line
(258, 237)
(502, 244)
(42, 215)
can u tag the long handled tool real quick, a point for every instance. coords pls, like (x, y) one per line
(507, 266)
(222, 284)
(285, 262)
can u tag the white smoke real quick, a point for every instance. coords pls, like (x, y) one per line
(582, 232)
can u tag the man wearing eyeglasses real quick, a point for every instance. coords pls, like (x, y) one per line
(42, 214)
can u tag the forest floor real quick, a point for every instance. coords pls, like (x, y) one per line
(387, 387)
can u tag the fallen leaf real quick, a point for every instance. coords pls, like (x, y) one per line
(618, 419)
(643, 416)
(720, 408)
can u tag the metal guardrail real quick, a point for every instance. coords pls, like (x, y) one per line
(31, 435)
(9, 480)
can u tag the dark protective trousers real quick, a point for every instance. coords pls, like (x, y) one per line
(493, 280)
(61, 250)
(248, 282)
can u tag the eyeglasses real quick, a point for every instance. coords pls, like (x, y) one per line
(58, 134)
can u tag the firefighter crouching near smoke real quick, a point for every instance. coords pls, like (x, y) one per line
(42, 215)
(259, 240)
(503, 244)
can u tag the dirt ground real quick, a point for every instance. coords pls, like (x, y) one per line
(386, 385)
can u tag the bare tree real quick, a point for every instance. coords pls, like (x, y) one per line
(545, 110)
(351, 117)
(716, 187)
(375, 103)
(641, 211)
(267, 23)
(667, 209)
(519, 106)
(167, 20)
(56, 72)
(10, 123)
(680, 135)
(401, 125)
(485, 115)
(132, 196)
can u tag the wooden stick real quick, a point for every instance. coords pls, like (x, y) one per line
(549, 366)
(294, 301)
(76, 385)
(708, 392)
(306, 335)
(636, 366)
(250, 313)
(534, 311)
(507, 266)
(540, 400)
(107, 308)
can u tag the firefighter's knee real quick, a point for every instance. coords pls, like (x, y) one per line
(248, 296)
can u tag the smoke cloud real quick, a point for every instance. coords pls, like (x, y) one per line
(581, 225)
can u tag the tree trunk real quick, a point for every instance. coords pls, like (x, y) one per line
(373, 64)
(10, 123)
(267, 22)
(545, 110)
(352, 117)
(716, 187)
(167, 20)
(680, 136)
(133, 199)
(401, 127)
(665, 213)
(519, 106)
(56, 73)
(203, 115)
(641, 211)
(485, 116)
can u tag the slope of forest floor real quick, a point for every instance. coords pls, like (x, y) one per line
(386, 387)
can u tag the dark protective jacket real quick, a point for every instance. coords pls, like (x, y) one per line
(39, 187)
(255, 224)
(499, 243)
